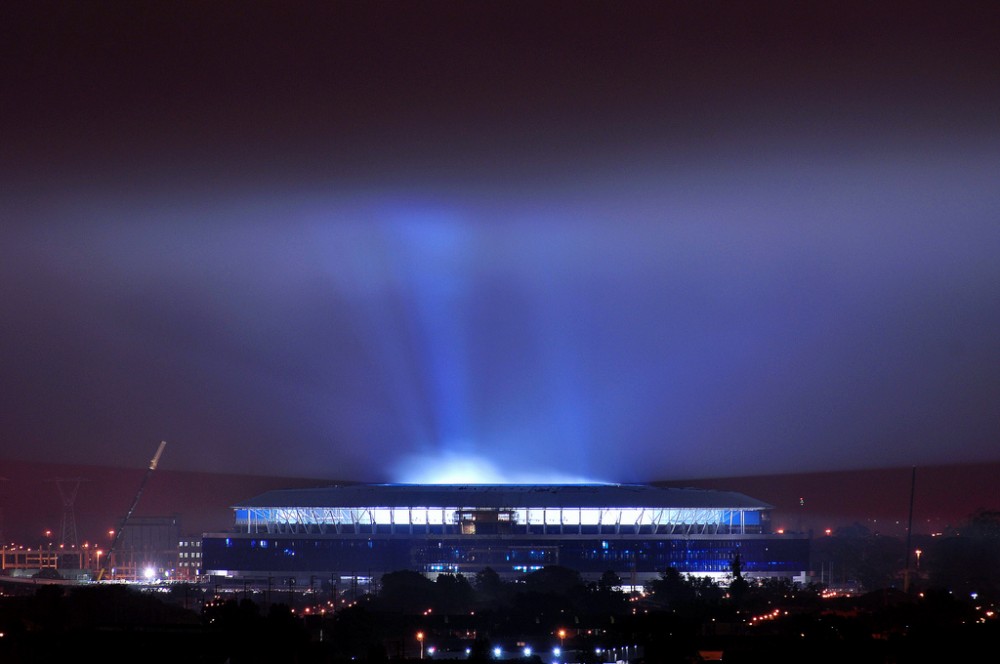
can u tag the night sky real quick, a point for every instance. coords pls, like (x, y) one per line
(500, 241)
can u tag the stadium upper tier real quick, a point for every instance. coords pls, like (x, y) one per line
(481, 509)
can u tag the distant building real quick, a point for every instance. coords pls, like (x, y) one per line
(45, 560)
(147, 545)
(188, 558)
(636, 531)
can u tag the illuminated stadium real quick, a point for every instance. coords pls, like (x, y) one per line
(636, 531)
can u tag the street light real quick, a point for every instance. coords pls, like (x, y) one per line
(47, 554)
(562, 637)
(918, 552)
(420, 638)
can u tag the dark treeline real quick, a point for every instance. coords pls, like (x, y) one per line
(946, 615)
(965, 560)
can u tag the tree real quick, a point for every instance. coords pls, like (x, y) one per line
(609, 598)
(608, 581)
(406, 591)
(672, 589)
(738, 587)
(490, 588)
(358, 633)
(454, 593)
(553, 580)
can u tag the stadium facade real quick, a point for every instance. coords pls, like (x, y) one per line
(365, 531)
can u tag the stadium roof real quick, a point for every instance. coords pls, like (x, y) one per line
(504, 496)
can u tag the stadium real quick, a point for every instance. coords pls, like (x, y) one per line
(364, 531)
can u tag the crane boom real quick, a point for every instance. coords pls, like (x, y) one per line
(128, 515)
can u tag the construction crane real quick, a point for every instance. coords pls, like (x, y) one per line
(135, 501)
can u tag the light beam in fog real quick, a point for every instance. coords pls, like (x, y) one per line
(356, 241)
(449, 468)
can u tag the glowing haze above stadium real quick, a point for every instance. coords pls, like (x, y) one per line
(531, 243)
(457, 468)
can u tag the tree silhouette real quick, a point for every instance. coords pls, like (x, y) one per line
(738, 587)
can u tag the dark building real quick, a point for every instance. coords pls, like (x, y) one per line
(188, 558)
(366, 530)
(148, 548)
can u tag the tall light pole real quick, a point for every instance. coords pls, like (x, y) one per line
(420, 639)
(909, 532)
(46, 557)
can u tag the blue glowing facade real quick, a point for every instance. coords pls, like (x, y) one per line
(367, 530)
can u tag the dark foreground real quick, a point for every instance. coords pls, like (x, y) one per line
(552, 613)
